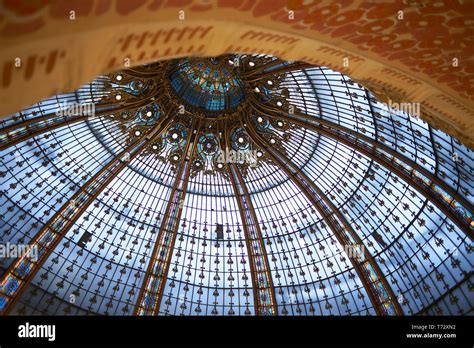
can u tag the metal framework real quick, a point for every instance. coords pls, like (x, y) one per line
(30, 128)
(23, 270)
(286, 160)
(424, 181)
(264, 295)
(377, 287)
(151, 292)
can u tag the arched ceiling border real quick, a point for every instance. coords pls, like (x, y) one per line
(63, 54)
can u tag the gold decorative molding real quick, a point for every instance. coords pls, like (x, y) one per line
(59, 54)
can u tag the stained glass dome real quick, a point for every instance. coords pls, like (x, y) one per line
(209, 85)
(235, 185)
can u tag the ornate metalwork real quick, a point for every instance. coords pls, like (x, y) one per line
(21, 272)
(151, 292)
(380, 293)
(454, 205)
(349, 172)
(264, 295)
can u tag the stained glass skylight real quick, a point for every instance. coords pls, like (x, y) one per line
(236, 185)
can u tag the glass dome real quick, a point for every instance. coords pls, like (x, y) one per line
(236, 185)
(209, 85)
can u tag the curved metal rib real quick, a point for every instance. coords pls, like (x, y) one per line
(21, 131)
(380, 293)
(440, 194)
(264, 292)
(151, 292)
(22, 271)
(261, 67)
(280, 70)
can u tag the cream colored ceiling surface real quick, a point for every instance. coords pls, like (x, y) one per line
(418, 52)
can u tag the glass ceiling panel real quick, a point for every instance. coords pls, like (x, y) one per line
(157, 125)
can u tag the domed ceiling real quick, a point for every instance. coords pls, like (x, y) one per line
(232, 185)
